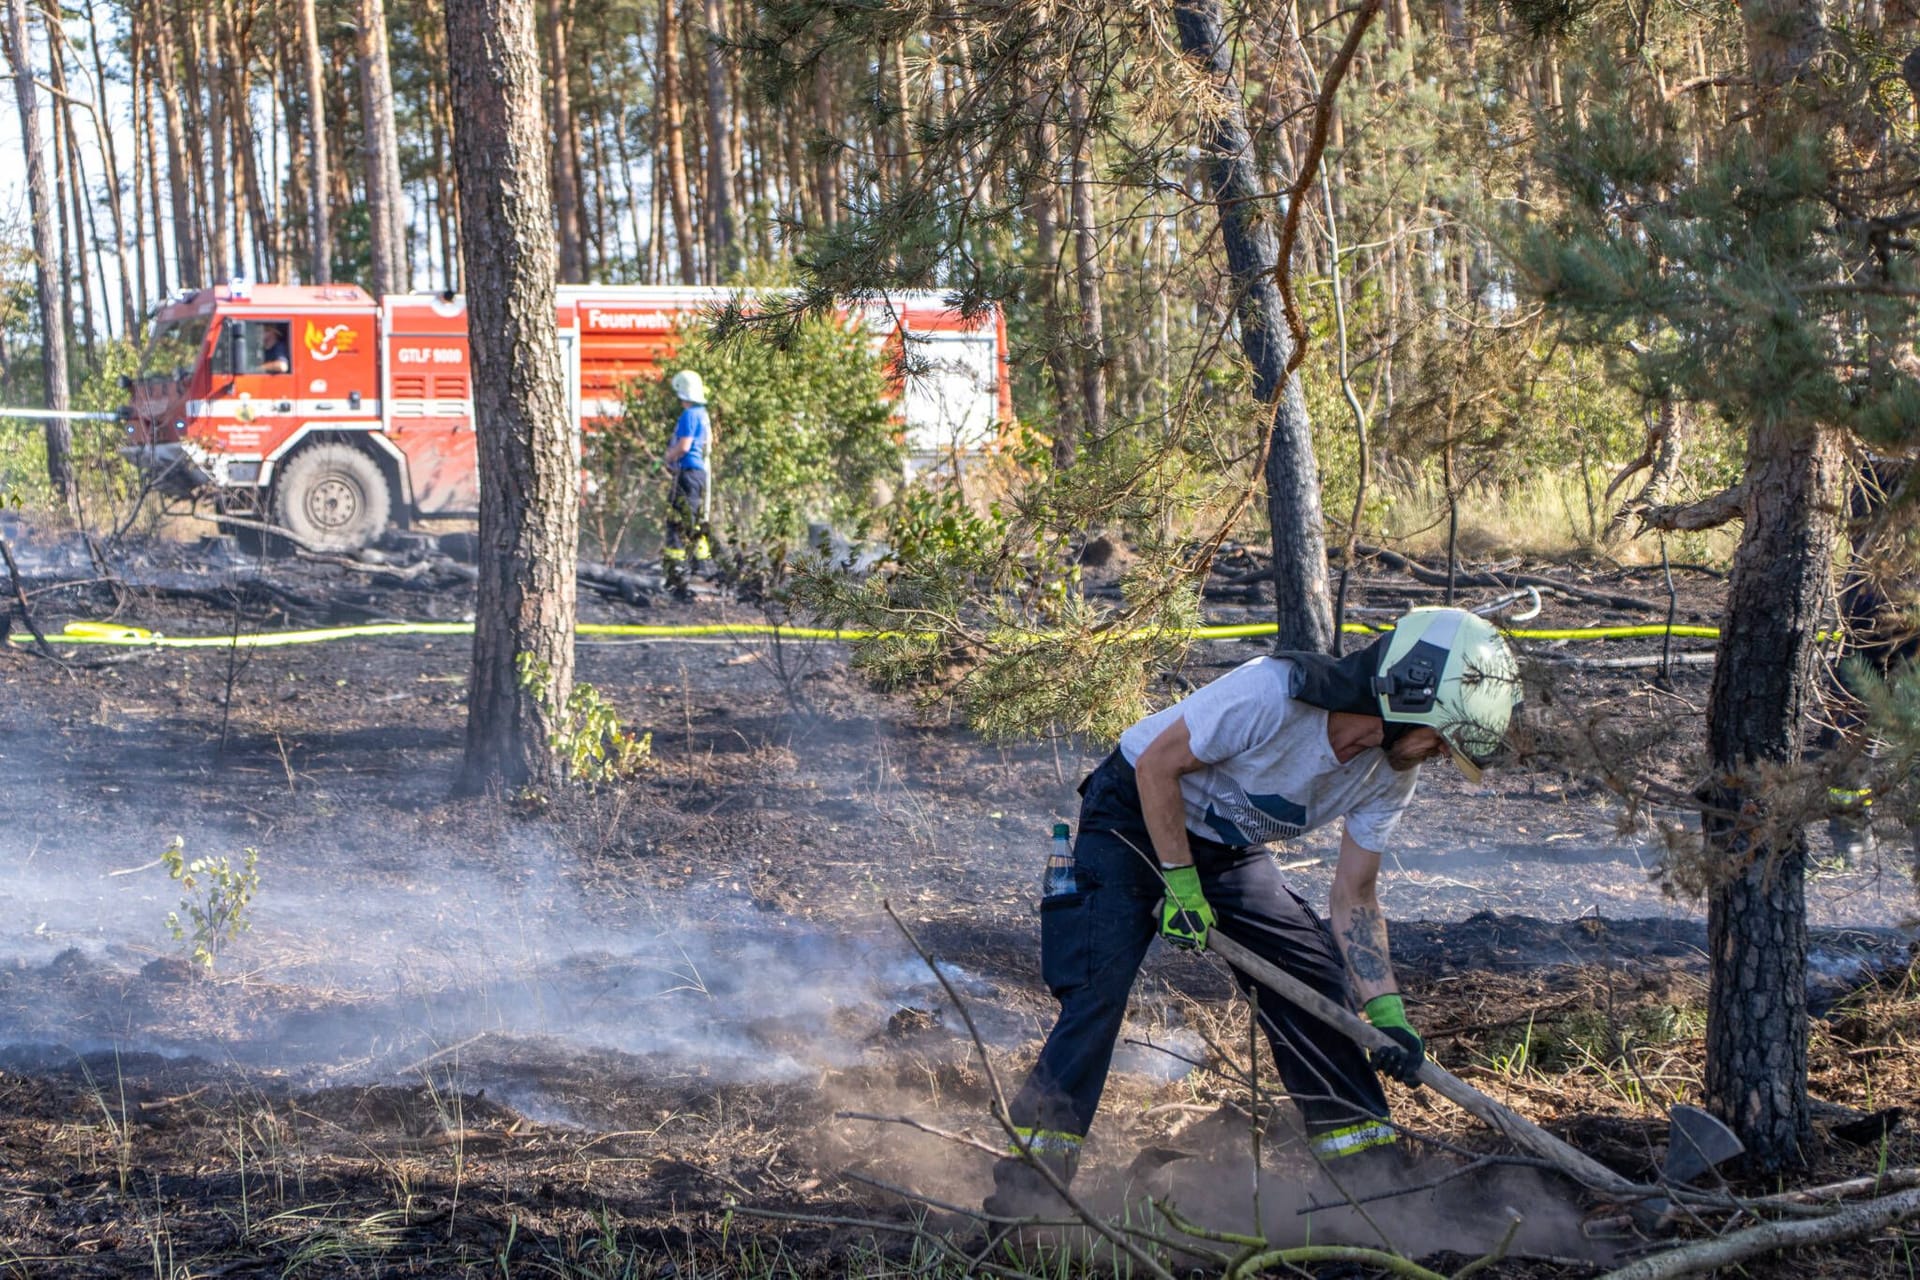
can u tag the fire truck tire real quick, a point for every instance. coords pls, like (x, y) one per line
(332, 497)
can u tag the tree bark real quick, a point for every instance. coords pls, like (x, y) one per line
(143, 156)
(129, 317)
(181, 184)
(319, 222)
(386, 223)
(1301, 598)
(1756, 1077)
(203, 89)
(673, 107)
(566, 171)
(528, 441)
(53, 318)
(69, 185)
(1777, 596)
(236, 80)
(826, 164)
(1043, 207)
(723, 235)
(1086, 262)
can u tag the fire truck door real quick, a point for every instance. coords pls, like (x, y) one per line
(253, 404)
(430, 418)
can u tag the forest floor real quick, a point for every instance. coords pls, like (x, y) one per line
(637, 1033)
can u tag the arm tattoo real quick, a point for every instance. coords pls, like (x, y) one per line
(1366, 939)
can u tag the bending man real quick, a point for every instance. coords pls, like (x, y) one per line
(1172, 833)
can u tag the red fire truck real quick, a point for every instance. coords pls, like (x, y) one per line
(331, 414)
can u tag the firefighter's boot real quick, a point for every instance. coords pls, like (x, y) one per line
(673, 566)
(1020, 1190)
(1365, 1160)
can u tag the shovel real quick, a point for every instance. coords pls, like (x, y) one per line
(1696, 1141)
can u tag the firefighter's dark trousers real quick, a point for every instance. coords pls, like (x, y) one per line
(1092, 943)
(687, 535)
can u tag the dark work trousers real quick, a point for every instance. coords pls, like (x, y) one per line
(686, 523)
(1092, 942)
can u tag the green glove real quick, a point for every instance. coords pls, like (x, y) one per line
(1403, 1059)
(1185, 916)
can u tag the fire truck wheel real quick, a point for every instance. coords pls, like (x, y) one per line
(332, 497)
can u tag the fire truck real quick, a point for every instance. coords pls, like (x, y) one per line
(331, 414)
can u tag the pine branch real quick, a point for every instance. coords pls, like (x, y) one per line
(1708, 513)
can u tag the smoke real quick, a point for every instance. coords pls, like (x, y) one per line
(354, 985)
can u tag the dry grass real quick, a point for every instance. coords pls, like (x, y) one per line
(1548, 516)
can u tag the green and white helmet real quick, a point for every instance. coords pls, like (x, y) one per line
(689, 386)
(1452, 670)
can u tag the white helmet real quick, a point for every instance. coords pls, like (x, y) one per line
(688, 386)
(1452, 670)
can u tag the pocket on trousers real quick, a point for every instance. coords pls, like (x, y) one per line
(1066, 942)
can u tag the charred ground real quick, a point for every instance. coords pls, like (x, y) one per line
(464, 1039)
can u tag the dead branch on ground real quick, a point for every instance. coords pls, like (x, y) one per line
(1730, 1250)
(26, 613)
(1507, 581)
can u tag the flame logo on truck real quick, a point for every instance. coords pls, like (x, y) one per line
(334, 340)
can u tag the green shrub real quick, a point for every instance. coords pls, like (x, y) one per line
(803, 430)
(593, 745)
(217, 900)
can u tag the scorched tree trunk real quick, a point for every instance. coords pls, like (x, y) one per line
(528, 442)
(1756, 912)
(53, 310)
(1301, 600)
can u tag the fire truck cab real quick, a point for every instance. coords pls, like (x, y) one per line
(329, 414)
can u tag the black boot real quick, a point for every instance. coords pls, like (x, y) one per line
(1020, 1190)
(1373, 1171)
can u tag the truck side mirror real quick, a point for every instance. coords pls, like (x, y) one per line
(125, 381)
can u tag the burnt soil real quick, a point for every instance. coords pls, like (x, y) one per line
(669, 1027)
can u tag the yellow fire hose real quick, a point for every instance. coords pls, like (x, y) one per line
(110, 633)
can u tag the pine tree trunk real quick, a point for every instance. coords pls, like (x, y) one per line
(1246, 226)
(181, 184)
(201, 85)
(1043, 207)
(386, 227)
(826, 167)
(673, 107)
(319, 163)
(1086, 261)
(237, 81)
(528, 441)
(1777, 596)
(69, 188)
(53, 317)
(143, 170)
(723, 236)
(566, 172)
(129, 317)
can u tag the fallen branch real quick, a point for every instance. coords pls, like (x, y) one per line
(26, 614)
(1881, 1183)
(1768, 1237)
(1505, 581)
(1627, 663)
(261, 526)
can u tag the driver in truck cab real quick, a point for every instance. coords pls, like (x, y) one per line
(275, 354)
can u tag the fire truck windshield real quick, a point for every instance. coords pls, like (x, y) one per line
(175, 348)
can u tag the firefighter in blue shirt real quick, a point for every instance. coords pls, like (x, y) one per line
(688, 544)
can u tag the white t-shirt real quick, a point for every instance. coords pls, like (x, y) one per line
(1273, 774)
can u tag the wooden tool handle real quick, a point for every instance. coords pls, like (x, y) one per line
(1516, 1128)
